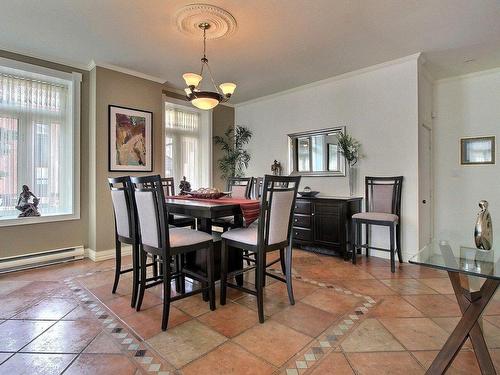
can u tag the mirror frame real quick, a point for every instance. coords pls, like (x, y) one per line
(293, 158)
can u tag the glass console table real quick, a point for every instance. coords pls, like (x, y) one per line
(462, 261)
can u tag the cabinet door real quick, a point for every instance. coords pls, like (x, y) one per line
(327, 223)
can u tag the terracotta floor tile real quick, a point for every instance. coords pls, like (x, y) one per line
(273, 303)
(370, 336)
(434, 305)
(408, 286)
(228, 359)
(305, 318)
(368, 287)
(103, 344)
(300, 289)
(5, 356)
(39, 364)
(65, 337)
(147, 323)
(194, 305)
(441, 285)
(394, 306)
(15, 303)
(90, 364)
(393, 363)
(48, 309)
(332, 302)
(419, 272)
(230, 320)
(416, 333)
(333, 363)
(17, 333)
(103, 292)
(7, 286)
(449, 324)
(80, 312)
(272, 341)
(493, 319)
(465, 362)
(384, 273)
(121, 305)
(186, 342)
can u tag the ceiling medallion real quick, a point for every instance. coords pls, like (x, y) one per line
(221, 22)
(199, 97)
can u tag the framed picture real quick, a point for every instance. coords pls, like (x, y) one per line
(130, 139)
(477, 150)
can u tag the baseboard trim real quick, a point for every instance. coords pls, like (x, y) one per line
(99, 256)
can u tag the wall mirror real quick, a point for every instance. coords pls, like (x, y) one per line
(316, 153)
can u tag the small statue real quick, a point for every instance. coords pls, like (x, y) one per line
(185, 186)
(276, 168)
(24, 205)
(483, 231)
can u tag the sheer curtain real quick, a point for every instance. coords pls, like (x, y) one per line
(35, 143)
(187, 145)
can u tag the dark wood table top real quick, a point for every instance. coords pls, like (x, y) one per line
(201, 209)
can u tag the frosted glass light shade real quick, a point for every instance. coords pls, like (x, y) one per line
(187, 91)
(192, 79)
(227, 88)
(205, 103)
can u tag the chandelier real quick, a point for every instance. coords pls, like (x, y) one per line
(206, 99)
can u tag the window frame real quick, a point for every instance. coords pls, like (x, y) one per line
(75, 80)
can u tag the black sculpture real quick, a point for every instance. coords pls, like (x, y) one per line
(24, 205)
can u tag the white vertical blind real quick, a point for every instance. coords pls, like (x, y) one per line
(187, 141)
(36, 134)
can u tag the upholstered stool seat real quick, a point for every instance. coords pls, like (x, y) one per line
(376, 216)
(180, 237)
(244, 235)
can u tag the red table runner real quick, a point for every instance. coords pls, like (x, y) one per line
(250, 209)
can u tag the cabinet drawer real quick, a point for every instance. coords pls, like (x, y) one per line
(302, 221)
(327, 208)
(301, 234)
(302, 207)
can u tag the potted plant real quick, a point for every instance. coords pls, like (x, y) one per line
(236, 157)
(350, 147)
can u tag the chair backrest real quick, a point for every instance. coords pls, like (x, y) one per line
(124, 207)
(151, 212)
(383, 194)
(240, 187)
(168, 186)
(257, 187)
(277, 207)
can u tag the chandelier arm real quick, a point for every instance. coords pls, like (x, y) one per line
(212, 79)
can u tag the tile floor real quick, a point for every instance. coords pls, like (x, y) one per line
(348, 319)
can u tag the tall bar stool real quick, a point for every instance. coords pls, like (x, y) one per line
(165, 243)
(383, 208)
(126, 230)
(240, 188)
(274, 232)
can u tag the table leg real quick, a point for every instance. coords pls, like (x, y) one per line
(472, 306)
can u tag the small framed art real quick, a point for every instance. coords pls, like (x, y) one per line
(477, 150)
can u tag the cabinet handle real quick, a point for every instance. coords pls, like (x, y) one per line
(312, 214)
(295, 220)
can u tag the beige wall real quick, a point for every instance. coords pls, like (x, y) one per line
(222, 118)
(23, 239)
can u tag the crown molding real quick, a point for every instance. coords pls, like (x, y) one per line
(339, 77)
(130, 72)
(467, 76)
(49, 59)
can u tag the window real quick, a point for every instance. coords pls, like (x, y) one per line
(188, 145)
(39, 127)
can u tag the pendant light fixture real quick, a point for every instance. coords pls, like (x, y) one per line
(206, 99)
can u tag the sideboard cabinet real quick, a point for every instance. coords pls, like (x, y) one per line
(323, 223)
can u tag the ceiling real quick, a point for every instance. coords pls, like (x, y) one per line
(279, 44)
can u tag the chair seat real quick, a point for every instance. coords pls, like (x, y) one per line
(180, 237)
(376, 216)
(244, 235)
(226, 220)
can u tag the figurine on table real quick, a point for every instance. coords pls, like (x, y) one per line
(185, 186)
(276, 168)
(24, 205)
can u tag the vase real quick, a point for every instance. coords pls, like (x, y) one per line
(353, 177)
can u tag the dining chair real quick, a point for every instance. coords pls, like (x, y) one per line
(382, 208)
(126, 231)
(274, 232)
(166, 243)
(240, 188)
(256, 192)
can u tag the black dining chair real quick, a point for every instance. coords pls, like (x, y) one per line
(166, 243)
(257, 185)
(240, 188)
(383, 208)
(126, 231)
(274, 232)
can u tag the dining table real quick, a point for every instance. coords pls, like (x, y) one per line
(205, 211)
(475, 276)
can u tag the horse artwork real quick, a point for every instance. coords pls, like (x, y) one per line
(130, 137)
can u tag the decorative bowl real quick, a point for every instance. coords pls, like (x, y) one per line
(308, 193)
(202, 195)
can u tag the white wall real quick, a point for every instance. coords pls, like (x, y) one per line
(465, 106)
(378, 106)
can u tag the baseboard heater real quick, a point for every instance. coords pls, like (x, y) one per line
(40, 259)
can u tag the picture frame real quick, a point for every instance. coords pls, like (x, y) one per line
(130, 136)
(477, 150)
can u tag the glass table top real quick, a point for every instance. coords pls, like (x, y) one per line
(466, 260)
